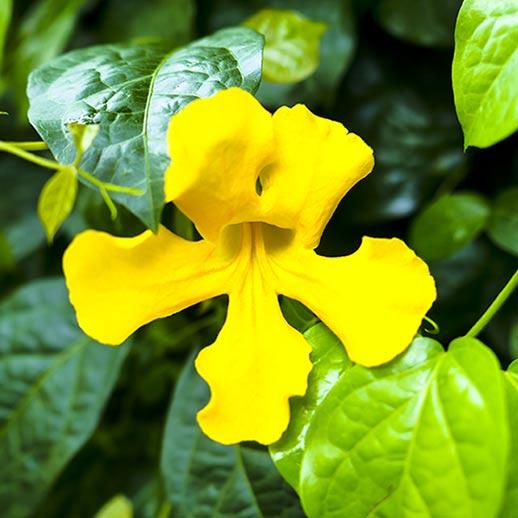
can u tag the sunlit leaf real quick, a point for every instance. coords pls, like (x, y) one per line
(57, 200)
(118, 507)
(291, 50)
(131, 92)
(83, 135)
(54, 383)
(6, 7)
(503, 222)
(448, 224)
(485, 68)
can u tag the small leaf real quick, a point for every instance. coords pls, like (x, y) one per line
(424, 22)
(447, 225)
(131, 92)
(204, 478)
(485, 68)
(503, 221)
(57, 199)
(83, 135)
(291, 50)
(54, 382)
(118, 507)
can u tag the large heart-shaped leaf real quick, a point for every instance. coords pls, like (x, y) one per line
(426, 434)
(132, 91)
(485, 67)
(54, 382)
(206, 479)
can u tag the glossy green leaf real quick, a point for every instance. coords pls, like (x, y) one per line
(448, 224)
(292, 42)
(6, 7)
(57, 200)
(503, 222)
(118, 507)
(297, 315)
(330, 363)
(485, 67)
(206, 479)
(42, 35)
(131, 92)
(54, 384)
(168, 20)
(399, 108)
(511, 494)
(425, 435)
(424, 22)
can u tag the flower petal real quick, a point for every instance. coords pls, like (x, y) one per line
(317, 162)
(118, 284)
(218, 147)
(373, 300)
(257, 362)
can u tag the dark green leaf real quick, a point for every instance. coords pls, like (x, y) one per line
(42, 35)
(511, 495)
(206, 479)
(168, 20)
(330, 362)
(424, 22)
(411, 126)
(54, 384)
(485, 68)
(448, 224)
(503, 222)
(291, 50)
(297, 315)
(132, 92)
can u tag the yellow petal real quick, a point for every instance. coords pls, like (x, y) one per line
(218, 147)
(317, 162)
(373, 300)
(118, 284)
(257, 362)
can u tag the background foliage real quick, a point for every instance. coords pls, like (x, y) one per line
(81, 423)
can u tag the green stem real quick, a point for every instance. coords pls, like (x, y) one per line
(30, 146)
(495, 306)
(109, 186)
(14, 150)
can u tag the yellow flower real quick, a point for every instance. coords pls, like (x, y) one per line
(260, 189)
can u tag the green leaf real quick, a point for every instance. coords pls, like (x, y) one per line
(21, 184)
(297, 315)
(57, 200)
(330, 362)
(423, 22)
(206, 479)
(118, 507)
(291, 49)
(168, 20)
(511, 495)
(412, 127)
(83, 135)
(42, 35)
(131, 92)
(7, 260)
(423, 435)
(448, 224)
(6, 8)
(503, 222)
(54, 384)
(485, 67)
